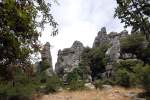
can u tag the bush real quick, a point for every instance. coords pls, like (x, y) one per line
(17, 92)
(98, 84)
(145, 78)
(76, 85)
(138, 45)
(132, 44)
(53, 84)
(76, 75)
(93, 61)
(75, 79)
(128, 64)
(44, 65)
(123, 78)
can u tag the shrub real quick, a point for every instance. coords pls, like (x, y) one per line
(44, 65)
(98, 84)
(138, 45)
(17, 92)
(145, 78)
(76, 74)
(132, 43)
(93, 61)
(53, 84)
(76, 85)
(128, 64)
(75, 79)
(123, 78)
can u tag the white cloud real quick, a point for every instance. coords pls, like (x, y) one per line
(80, 20)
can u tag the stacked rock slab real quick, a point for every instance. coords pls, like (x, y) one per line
(46, 54)
(68, 59)
(113, 52)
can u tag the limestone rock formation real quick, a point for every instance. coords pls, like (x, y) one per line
(46, 54)
(101, 38)
(69, 58)
(45, 62)
(113, 41)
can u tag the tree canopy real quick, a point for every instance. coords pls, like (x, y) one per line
(135, 13)
(19, 20)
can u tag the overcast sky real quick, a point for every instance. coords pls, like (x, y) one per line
(80, 20)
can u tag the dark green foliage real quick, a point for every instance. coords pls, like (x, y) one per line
(75, 75)
(98, 84)
(127, 72)
(94, 61)
(53, 84)
(21, 88)
(123, 78)
(75, 80)
(128, 64)
(44, 65)
(98, 62)
(24, 86)
(134, 13)
(145, 78)
(132, 44)
(18, 32)
(137, 45)
(76, 85)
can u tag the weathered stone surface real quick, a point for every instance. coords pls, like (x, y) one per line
(113, 41)
(107, 87)
(114, 51)
(128, 56)
(89, 86)
(101, 39)
(46, 54)
(69, 58)
(49, 72)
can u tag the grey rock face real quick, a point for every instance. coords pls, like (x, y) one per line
(101, 39)
(112, 39)
(128, 56)
(69, 58)
(113, 53)
(46, 54)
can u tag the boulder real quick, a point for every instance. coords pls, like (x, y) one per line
(89, 86)
(107, 87)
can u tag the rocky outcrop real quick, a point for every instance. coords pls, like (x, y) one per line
(68, 59)
(112, 40)
(101, 39)
(46, 54)
(46, 60)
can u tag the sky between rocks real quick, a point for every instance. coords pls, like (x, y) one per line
(80, 20)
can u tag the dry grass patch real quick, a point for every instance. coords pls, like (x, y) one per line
(117, 93)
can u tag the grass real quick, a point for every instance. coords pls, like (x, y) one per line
(117, 93)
